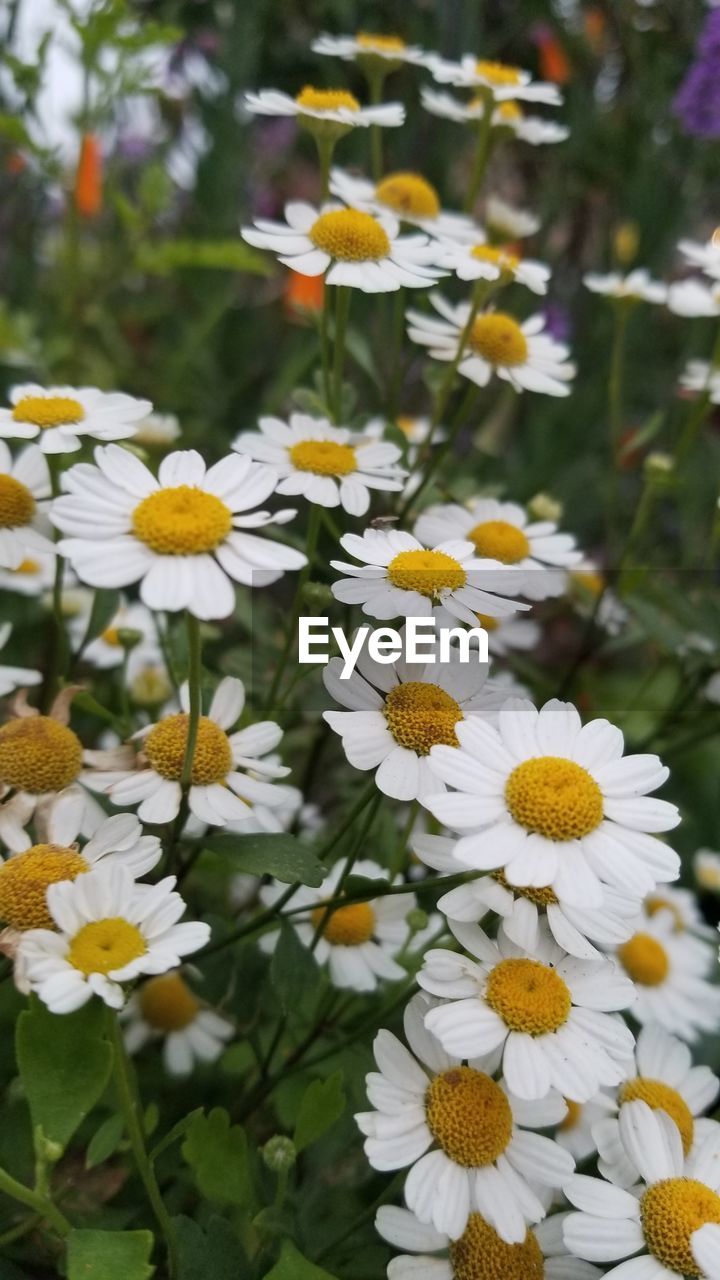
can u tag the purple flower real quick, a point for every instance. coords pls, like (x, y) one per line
(557, 321)
(697, 102)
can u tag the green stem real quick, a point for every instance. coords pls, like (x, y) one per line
(41, 1205)
(313, 533)
(615, 410)
(325, 347)
(325, 147)
(396, 862)
(195, 696)
(482, 151)
(342, 311)
(375, 80)
(699, 410)
(130, 1104)
(349, 864)
(396, 362)
(60, 649)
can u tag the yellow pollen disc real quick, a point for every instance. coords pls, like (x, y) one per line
(167, 1003)
(110, 636)
(350, 236)
(17, 505)
(427, 572)
(498, 73)
(529, 996)
(380, 44)
(510, 111)
(348, 926)
(165, 745)
(670, 1212)
(48, 411)
(661, 1097)
(480, 1254)
(498, 339)
(653, 905)
(490, 624)
(573, 1117)
(469, 1116)
(541, 897)
(27, 566)
(324, 457)
(409, 193)
(644, 960)
(38, 755)
(105, 945)
(25, 877)
(420, 716)
(499, 540)
(181, 521)
(554, 797)
(326, 99)
(405, 424)
(589, 580)
(500, 258)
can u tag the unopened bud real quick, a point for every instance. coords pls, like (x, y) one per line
(279, 1153)
(316, 596)
(544, 507)
(417, 920)
(659, 464)
(128, 637)
(150, 687)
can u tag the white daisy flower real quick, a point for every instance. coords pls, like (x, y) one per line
(503, 531)
(365, 47)
(337, 108)
(554, 804)
(586, 583)
(409, 196)
(464, 1134)
(662, 1076)
(508, 634)
(358, 942)
(503, 81)
(507, 115)
(165, 1008)
(398, 576)
(32, 577)
(637, 286)
(699, 376)
(24, 527)
(522, 911)
(668, 970)
(668, 1224)
(61, 417)
(480, 1251)
(399, 711)
(521, 354)
(355, 248)
(505, 222)
(549, 1015)
(694, 298)
(706, 256)
(25, 877)
(110, 930)
(576, 1133)
(330, 466)
(706, 865)
(684, 910)
(14, 677)
(182, 535)
(106, 650)
(221, 787)
(485, 262)
(157, 430)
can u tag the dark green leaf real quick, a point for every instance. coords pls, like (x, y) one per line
(176, 1132)
(217, 1153)
(293, 968)
(109, 1255)
(280, 855)
(104, 607)
(64, 1063)
(291, 1265)
(323, 1103)
(365, 887)
(216, 1255)
(105, 1141)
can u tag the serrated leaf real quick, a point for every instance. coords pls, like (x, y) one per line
(109, 1255)
(217, 1154)
(293, 968)
(64, 1062)
(215, 1253)
(291, 1265)
(278, 855)
(105, 1141)
(322, 1105)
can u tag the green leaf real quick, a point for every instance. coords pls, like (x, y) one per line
(217, 1254)
(64, 1062)
(176, 1132)
(217, 1153)
(293, 968)
(280, 855)
(105, 1141)
(322, 1105)
(104, 607)
(109, 1255)
(217, 255)
(366, 887)
(291, 1265)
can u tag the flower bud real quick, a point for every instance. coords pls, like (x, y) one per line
(279, 1153)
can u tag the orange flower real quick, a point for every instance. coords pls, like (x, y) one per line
(554, 63)
(88, 180)
(15, 163)
(595, 29)
(304, 294)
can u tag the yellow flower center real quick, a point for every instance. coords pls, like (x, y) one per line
(39, 755)
(498, 73)
(324, 457)
(670, 1212)
(17, 505)
(661, 1097)
(499, 540)
(380, 44)
(490, 624)
(326, 99)
(165, 750)
(589, 580)
(529, 996)
(110, 636)
(348, 926)
(644, 960)
(167, 1003)
(420, 716)
(498, 339)
(427, 572)
(655, 904)
(409, 193)
(350, 236)
(573, 1117)
(510, 111)
(469, 1116)
(500, 258)
(405, 424)
(480, 1254)
(48, 411)
(181, 521)
(554, 797)
(541, 897)
(25, 877)
(105, 945)
(27, 566)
